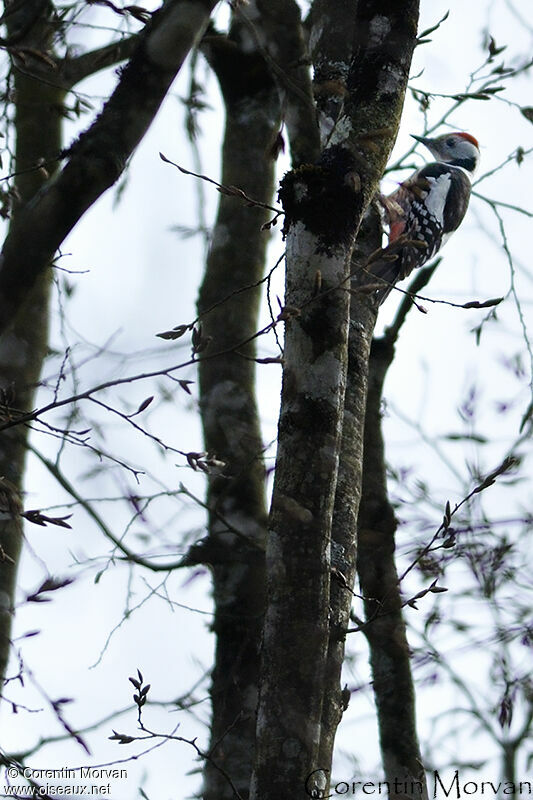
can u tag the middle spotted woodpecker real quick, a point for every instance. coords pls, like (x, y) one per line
(428, 206)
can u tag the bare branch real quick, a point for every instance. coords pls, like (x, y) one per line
(98, 158)
(74, 70)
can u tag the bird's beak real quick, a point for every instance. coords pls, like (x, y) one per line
(422, 139)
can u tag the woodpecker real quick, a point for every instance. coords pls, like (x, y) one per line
(429, 206)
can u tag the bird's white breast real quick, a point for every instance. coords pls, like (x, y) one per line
(436, 197)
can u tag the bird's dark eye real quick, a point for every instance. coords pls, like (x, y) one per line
(450, 142)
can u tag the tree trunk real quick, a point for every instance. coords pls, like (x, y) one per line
(228, 305)
(23, 348)
(363, 314)
(324, 204)
(385, 627)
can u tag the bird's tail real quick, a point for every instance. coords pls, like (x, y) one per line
(395, 262)
(386, 274)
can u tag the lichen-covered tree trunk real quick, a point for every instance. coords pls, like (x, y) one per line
(228, 305)
(363, 315)
(22, 348)
(385, 627)
(362, 53)
(296, 623)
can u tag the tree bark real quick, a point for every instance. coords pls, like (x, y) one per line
(296, 624)
(324, 204)
(385, 627)
(228, 305)
(283, 39)
(363, 315)
(22, 349)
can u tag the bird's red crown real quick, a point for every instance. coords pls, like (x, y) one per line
(468, 138)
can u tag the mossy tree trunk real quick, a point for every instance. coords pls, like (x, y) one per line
(362, 54)
(229, 310)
